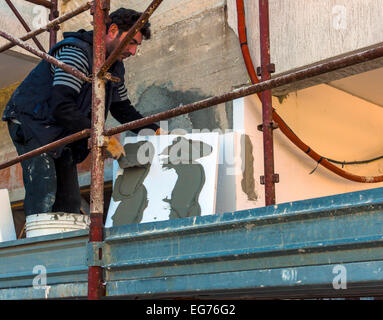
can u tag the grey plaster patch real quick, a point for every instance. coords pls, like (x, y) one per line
(229, 113)
(248, 182)
(129, 187)
(158, 98)
(182, 156)
(137, 155)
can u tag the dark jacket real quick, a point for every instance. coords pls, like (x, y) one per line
(35, 102)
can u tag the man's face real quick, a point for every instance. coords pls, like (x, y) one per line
(113, 39)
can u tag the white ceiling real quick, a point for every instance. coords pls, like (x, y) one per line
(367, 85)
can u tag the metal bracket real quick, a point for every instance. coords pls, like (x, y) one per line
(273, 125)
(275, 178)
(102, 142)
(109, 77)
(270, 69)
(94, 252)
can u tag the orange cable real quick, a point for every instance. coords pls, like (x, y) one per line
(281, 124)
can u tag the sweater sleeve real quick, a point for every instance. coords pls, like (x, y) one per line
(66, 89)
(124, 112)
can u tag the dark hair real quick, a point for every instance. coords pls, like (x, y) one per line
(125, 19)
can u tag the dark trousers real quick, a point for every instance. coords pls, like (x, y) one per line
(51, 185)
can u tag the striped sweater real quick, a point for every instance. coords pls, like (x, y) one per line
(76, 58)
(67, 87)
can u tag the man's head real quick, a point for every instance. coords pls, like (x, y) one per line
(121, 21)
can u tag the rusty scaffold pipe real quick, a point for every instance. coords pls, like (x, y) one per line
(54, 13)
(129, 36)
(50, 25)
(269, 178)
(51, 146)
(96, 288)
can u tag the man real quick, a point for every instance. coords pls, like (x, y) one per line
(51, 104)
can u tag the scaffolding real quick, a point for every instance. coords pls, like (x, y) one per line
(99, 135)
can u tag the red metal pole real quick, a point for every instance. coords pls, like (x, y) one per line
(95, 273)
(53, 31)
(25, 25)
(267, 108)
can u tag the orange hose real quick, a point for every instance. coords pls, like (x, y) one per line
(281, 124)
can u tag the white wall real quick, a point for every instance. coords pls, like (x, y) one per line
(334, 124)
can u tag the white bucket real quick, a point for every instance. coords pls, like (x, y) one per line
(49, 223)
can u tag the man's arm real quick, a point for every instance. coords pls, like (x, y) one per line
(124, 112)
(66, 89)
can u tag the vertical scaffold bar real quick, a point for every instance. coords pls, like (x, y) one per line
(53, 31)
(267, 110)
(95, 276)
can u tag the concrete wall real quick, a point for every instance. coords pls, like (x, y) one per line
(192, 55)
(167, 14)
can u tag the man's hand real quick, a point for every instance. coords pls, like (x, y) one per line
(114, 149)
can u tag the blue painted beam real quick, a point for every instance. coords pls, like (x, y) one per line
(62, 256)
(252, 250)
(287, 250)
(363, 279)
